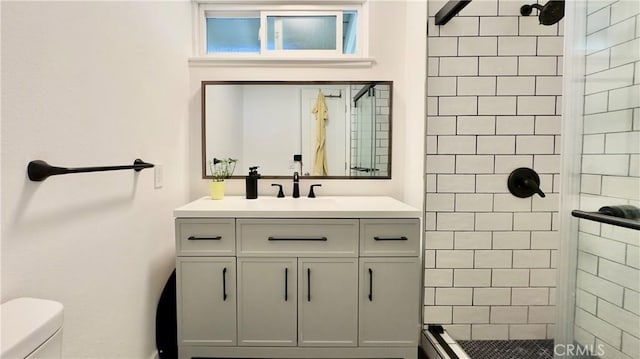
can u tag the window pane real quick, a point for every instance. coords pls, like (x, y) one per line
(349, 30)
(233, 35)
(301, 32)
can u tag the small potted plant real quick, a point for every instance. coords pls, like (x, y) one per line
(220, 170)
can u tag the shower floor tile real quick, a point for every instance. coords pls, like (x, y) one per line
(508, 349)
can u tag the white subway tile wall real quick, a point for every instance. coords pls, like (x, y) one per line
(608, 278)
(493, 89)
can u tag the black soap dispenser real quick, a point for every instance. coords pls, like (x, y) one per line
(252, 182)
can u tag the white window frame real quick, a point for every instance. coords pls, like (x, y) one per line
(316, 53)
(241, 8)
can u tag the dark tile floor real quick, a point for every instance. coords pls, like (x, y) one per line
(508, 349)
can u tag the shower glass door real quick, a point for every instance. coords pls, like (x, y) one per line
(364, 161)
(598, 291)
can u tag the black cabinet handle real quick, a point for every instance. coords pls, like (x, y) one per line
(401, 238)
(297, 238)
(224, 284)
(286, 284)
(216, 238)
(370, 285)
(308, 284)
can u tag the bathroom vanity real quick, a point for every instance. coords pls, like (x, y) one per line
(330, 277)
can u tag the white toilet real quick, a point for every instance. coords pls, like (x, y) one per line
(31, 328)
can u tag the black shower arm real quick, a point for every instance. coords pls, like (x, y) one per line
(537, 6)
(39, 170)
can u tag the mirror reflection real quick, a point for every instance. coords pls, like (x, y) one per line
(337, 129)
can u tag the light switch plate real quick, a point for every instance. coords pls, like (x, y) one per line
(158, 176)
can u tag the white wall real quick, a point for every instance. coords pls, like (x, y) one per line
(398, 45)
(94, 83)
(226, 100)
(279, 104)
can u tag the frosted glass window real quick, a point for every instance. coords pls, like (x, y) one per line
(316, 30)
(233, 35)
(301, 33)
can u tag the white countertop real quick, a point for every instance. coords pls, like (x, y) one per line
(303, 207)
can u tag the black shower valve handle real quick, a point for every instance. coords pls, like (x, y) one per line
(524, 182)
(534, 186)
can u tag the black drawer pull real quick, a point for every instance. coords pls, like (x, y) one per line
(370, 285)
(224, 284)
(308, 284)
(297, 238)
(402, 238)
(286, 284)
(216, 238)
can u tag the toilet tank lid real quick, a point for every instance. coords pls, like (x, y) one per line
(27, 323)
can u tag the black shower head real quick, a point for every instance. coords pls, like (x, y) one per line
(550, 13)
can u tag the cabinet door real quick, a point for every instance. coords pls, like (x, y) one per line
(267, 303)
(328, 304)
(206, 300)
(389, 301)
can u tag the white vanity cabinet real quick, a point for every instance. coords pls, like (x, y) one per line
(297, 301)
(206, 273)
(320, 276)
(334, 278)
(268, 304)
(389, 270)
(206, 300)
(328, 302)
(388, 301)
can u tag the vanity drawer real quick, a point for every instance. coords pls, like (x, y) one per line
(205, 236)
(390, 237)
(298, 237)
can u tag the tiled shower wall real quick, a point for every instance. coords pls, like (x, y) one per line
(494, 85)
(607, 313)
(382, 131)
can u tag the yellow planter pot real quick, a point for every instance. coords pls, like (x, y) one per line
(217, 189)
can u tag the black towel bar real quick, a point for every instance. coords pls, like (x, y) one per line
(39, 170)
(604, 218)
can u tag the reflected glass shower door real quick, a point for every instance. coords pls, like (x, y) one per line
(364, 162)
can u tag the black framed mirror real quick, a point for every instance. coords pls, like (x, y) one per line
(341, 129)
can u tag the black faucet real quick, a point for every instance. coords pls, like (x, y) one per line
(296, 185)
(311, 193)
(280, 192)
